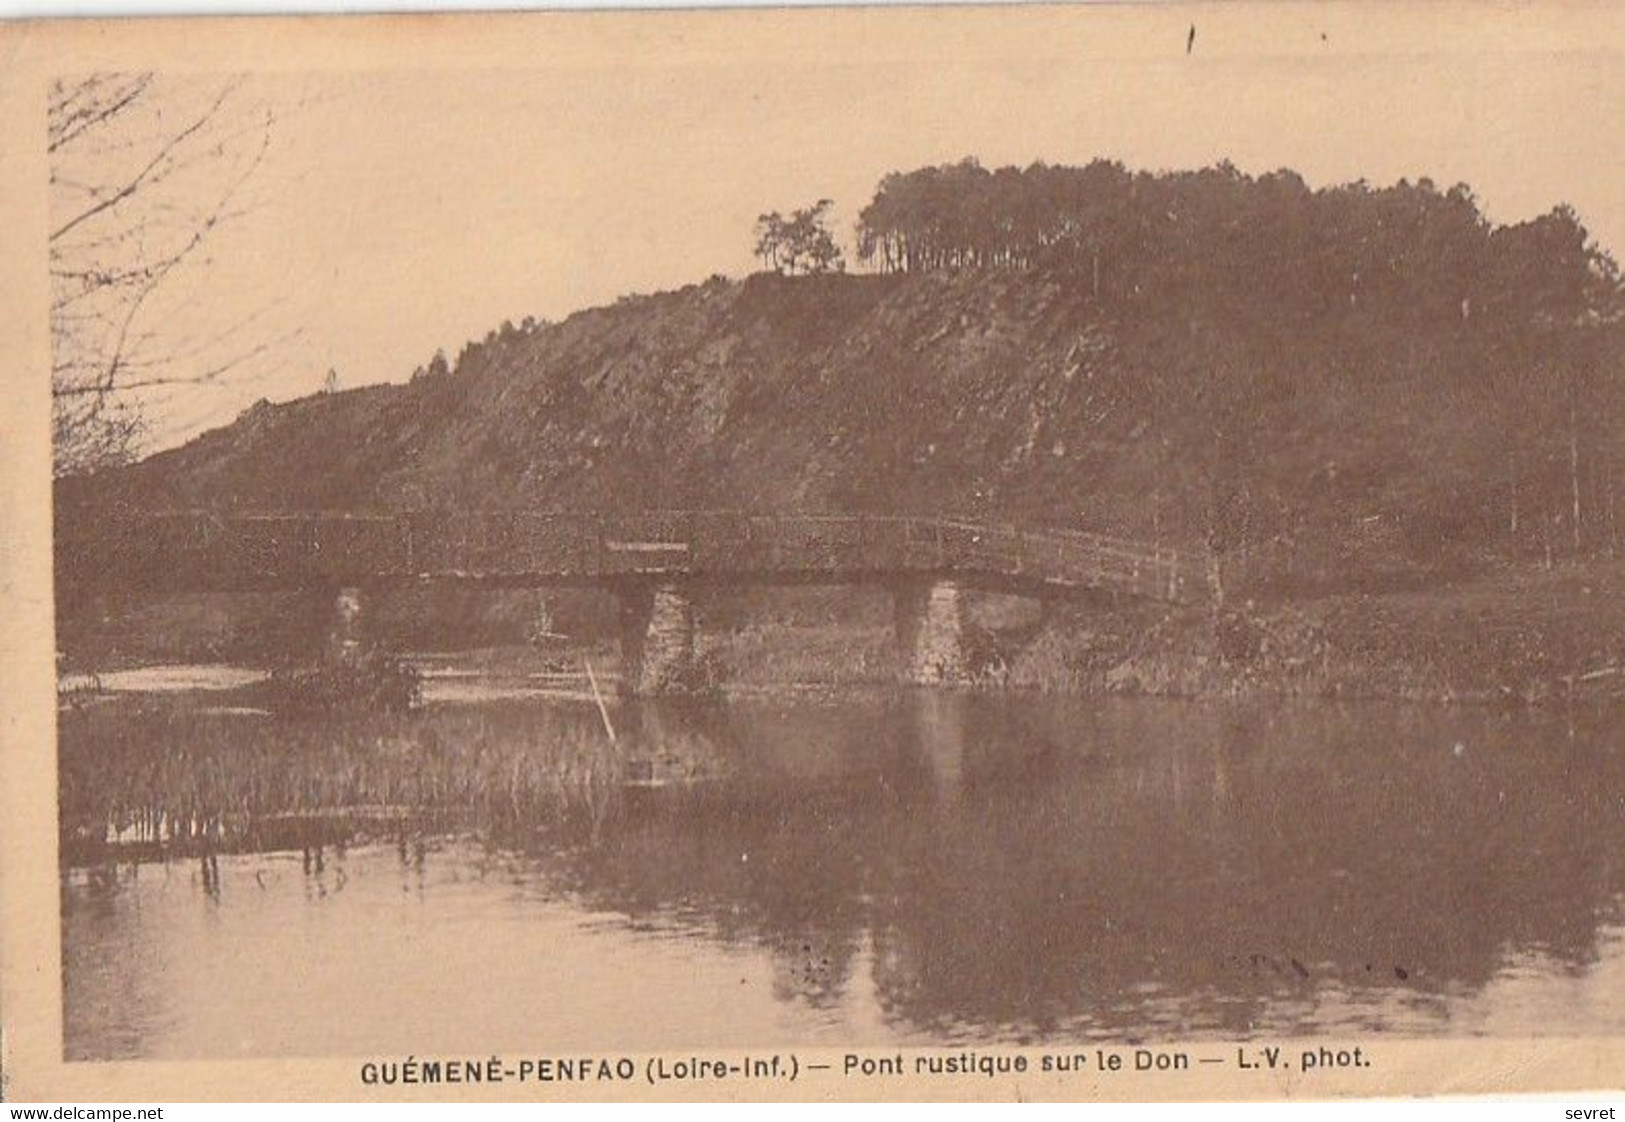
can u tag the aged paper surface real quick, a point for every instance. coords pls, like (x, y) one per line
(1093, 577)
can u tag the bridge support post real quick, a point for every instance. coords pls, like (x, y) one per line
(930, 625)
(657, 638)
(346, 637)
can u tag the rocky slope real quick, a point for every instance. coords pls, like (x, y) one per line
(943, 392)
(1329, 451)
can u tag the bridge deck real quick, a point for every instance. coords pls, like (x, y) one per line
(197, 551)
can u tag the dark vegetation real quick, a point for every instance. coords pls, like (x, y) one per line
(374, 680)
(1350, 386)
(801, 243)
(1332, 392)
(166, 777)
(1379, 369)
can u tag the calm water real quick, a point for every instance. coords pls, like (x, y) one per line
(915, 868)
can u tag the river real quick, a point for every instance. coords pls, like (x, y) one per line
(906, 867)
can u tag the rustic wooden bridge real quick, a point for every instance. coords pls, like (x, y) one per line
(649, 560)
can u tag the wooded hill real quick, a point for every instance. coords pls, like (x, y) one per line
(1341, 387)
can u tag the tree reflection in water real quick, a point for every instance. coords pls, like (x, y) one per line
(1026, 867)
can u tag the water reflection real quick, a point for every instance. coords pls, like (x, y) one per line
(922, 866)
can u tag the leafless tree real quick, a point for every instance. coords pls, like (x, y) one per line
(144, 171)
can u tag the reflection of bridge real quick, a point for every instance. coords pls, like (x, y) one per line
(649, 560)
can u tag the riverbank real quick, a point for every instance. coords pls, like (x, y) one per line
(1518, 636)
(1523, 637)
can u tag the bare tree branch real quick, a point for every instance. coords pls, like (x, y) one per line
(138, 198)
(81, 111)
(155, 168)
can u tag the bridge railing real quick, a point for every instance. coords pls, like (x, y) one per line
(210, 549)
(1074, 557)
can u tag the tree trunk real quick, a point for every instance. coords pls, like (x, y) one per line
(1574, 472)
(1608, 492)
(1513, 528)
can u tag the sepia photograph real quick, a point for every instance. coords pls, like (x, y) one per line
(1031, 551)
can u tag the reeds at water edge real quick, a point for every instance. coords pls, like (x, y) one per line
(174, 778)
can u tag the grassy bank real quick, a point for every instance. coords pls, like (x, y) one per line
(1527, 636)
(1518, 635)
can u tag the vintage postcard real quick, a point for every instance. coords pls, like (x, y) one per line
(855, 553)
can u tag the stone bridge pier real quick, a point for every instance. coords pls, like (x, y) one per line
(657, 634)
(657, 637)
(347, 631)
(930, 623)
